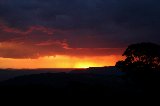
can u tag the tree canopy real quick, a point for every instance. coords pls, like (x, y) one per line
(141, 56)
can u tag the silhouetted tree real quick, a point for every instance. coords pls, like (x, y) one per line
(142, 64)
(142, 56)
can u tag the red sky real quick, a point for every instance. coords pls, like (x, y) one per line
(37, 48)
(73, 33)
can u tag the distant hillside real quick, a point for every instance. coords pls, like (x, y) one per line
(59, 79)
(6, 74)
(110, 70)
(68, 84)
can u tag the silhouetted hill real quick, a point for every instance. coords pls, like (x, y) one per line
(63, 79)
(6, 74)
(68, 85)
(109, 70)
(86, 83)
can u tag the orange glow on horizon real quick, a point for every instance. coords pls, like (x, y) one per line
(84, 65)
(60, 61)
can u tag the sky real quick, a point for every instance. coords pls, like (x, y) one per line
(73, 33)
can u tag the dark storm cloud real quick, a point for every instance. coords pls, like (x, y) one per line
(81, 23)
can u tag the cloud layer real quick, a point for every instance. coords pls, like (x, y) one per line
(33, 28)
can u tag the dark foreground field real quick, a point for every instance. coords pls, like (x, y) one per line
(75, 85)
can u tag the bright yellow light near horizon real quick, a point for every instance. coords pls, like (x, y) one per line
(85, 65)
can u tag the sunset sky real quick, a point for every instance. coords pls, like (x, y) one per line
(73, 33)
